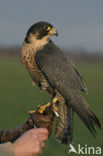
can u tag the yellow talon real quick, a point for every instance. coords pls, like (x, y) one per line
(32, 111)
(42, 108)
(39, 106)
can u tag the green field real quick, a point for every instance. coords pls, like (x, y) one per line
(17, 96)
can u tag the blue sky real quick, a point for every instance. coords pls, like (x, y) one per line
(79, 22)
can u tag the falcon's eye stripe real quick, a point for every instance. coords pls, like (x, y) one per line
(47, 28)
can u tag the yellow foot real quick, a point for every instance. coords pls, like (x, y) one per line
(32, 111)
(42, 108)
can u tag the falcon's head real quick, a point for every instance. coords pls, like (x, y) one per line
(40, 31)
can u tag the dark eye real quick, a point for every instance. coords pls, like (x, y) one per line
(47, 28)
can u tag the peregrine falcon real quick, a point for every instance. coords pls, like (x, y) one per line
(54, 72)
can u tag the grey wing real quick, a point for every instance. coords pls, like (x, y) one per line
(62, 75)
(59, 68)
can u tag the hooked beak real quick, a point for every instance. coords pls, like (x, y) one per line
(53, 31)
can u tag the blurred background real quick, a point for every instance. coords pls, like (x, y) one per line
(80, 27)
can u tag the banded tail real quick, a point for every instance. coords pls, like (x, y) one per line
(64, 127)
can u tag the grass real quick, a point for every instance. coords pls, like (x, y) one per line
(17, 96)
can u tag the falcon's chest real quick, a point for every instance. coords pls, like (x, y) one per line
(28, 59)
(28, 53)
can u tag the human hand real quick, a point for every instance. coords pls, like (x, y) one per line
(31, 142)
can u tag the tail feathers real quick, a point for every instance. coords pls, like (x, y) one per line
(82, 109)
(70, 123)
(61, 122)
(64, 127)
(68, 132)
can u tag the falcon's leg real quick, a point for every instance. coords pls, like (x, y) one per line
(42, 108)
(55, 108)
(53, 103)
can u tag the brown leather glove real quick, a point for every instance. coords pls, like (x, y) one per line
(44, 120)
(36, 119)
